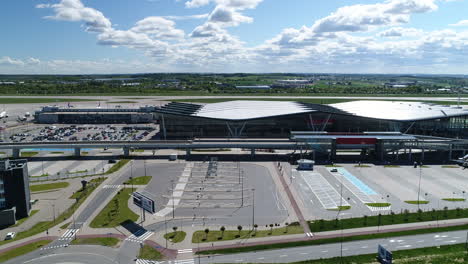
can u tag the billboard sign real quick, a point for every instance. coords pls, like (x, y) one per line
(144, 202)
(384, 256)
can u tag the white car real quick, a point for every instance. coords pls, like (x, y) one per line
(10, 235)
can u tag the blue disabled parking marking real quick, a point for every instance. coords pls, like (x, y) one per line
(357, 182)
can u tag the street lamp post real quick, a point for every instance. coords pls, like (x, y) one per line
(173, 202)
(253, 207)
(419, 184)
(165, 224)
(53, 211)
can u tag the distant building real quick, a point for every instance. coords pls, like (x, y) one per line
(56, 115)
(131, 84)
(295, 83)
(15, 197)
(7, 83)
(399, 84)
(444, 90)
(263, 87)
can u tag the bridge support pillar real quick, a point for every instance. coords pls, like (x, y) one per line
(450, 152)
(333, 150)
(187, 152)
(252, 152)
(126, 151)
(16, 153)
(77, 152)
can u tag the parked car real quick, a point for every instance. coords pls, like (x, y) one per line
(10, 235)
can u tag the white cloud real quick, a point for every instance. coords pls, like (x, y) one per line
(228, 16)
(462, 23)
(158, 27)
(200, 16)
(74, 10)
(401, 32)
(10, 62)
(196, 3)
(239, 4)
(365, 17)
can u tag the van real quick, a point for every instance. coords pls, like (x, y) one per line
(173, 157)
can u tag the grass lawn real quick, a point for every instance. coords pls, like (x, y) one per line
(391, 166)
(450, 166)
(43, 175)
(35, 100)
(434, 255)
(48, 186)
(387, 219)
(27, 154)
(75, 172)
(268, 97)
(23, 250)
(216, 235)
(378, 204)
(149, 253)
(331, 240)
(417, 202)
(64, 226)
(122, 102)
(44, 225)
(175, 237)
(142, 180)
(117, 166)
(57, 152)
(137, 150)
(116, 211)
(341, 208)
(454, 199)
(19, 222)
(101, 241)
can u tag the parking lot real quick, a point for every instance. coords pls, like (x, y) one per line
(322, 191)
(41, 133)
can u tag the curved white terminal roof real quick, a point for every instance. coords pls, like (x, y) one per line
(241, 110)
(399, 110)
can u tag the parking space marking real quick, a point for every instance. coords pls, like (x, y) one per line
(323, 190)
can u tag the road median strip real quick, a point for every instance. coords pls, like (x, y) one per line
(327, 239)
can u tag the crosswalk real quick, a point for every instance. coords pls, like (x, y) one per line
(179, 261)
(184, 261)
(140, 236)
(184, 251)
(69, 234)
(112, 186)
(146, 261)
(309, 234)
(55, 246)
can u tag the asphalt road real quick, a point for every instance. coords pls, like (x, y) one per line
(334, 250)
(76, 255)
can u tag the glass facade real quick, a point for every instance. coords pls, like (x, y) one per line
(187, 127)
(2, 194)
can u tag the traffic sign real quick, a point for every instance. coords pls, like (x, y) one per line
(144, 202)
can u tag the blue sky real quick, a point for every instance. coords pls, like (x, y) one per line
(120, 36)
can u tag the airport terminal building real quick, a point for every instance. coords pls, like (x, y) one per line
(274, 119)
(278, 119)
